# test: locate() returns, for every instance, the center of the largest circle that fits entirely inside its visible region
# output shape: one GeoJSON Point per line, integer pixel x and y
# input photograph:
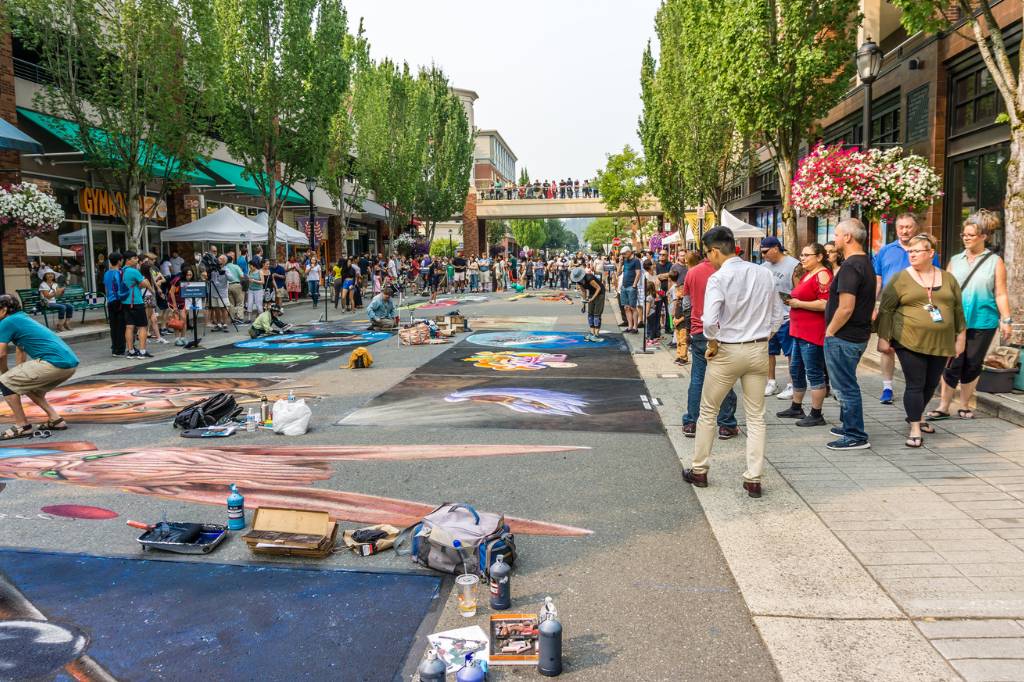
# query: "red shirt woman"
{"type": "Point", "coordinates": [804, 323]}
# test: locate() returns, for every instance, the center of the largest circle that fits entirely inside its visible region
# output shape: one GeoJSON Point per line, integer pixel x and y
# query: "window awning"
{"type": "Point", "coordinates": [68, 132]}
{"type": "Point", "coordinates": [234, 174]}
{"type": "Point", "coordinates": [12, 138]}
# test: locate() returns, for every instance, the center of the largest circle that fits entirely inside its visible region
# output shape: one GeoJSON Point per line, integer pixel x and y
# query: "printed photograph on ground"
{"type": "Point", "coordinates": [314, 340]}
{"type": "Point", "coordinates": [93, 619]}
{"type": "Point", "coordinates": [601, 405]}
{"type": "Point", "coordinates": [544, 340]}
{"type": "Point", "coordinates": [467, 359]}
{"type": "Point", "coordinates": [524, 322]}
{"type": "Point", "coordinates": [271, 476]}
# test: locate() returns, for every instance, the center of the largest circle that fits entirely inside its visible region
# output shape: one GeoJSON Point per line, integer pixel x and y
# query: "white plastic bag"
{"type": "Point", "coordinates": [291, 418]}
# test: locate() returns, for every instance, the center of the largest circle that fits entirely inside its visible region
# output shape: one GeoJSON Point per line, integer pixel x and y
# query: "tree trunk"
{"type": "Point", "coordinates": [134, 217]}
{"type": "Point", "coordinates": [785, 169]}
{"type": "Point", "coordinates": [1013, 251]}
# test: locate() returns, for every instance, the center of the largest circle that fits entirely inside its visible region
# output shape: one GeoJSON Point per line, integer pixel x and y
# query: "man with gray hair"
{"type": "Point", "coordinates": [848, 313]}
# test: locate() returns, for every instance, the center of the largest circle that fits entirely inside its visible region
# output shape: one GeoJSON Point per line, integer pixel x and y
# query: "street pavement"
{"type": "Point", "coordinates": [648, 595]}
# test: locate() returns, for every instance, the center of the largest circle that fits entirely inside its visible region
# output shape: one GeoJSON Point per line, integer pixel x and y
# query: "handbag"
{"type": "Point", "coordinates": [176, 321]}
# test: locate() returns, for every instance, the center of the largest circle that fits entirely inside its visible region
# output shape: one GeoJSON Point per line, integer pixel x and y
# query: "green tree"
{"type": "Point", "coordinates": [528, 233]}
{"type": "Point", "coordinates": [558, 237]}
{"type": "Point", "coordinates": [602, 230]}
{"type": "Point", "coordinates": [284, 69]}
{"type": "Point", "coordinates": [391, 112]}
{"type": "Point", "coordinates": [933, 15]}
{"type": "Point", "coordinates": [666, 172]}
{"type": "Point", "coordinates": [782, 65]}
{"type": "Point", "coordinates": [524, 177]}
{"type": "Point", "coordinates": [133, 77]}
{"type": "Point", "coordinates": [623, 184]}
{"type": "Point", "coordinates": [442, 248]}
{"type": "Point", "coordinates": [497, 230]}
{"type": "Point", "coordinates": [444, 179]}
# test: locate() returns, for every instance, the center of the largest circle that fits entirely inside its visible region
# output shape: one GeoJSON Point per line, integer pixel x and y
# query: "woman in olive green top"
{"type": "Point", "coordinates": [921, 317]}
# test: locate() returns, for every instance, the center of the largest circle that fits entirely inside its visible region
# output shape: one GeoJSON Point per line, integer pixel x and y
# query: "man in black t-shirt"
{"type": "Point", "coordinates": [851, 302]}
{"type": "Point", "coordinates": [661, 269]}
{"type": "Point", "coordinates": [460, 272]}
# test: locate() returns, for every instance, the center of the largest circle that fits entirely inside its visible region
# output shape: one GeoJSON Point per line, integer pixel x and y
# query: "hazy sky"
{"type": "Point", "coordinates": [559, 80]}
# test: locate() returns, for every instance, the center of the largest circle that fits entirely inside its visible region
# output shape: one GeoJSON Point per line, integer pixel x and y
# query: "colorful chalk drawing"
{"type": "Point", "coordinates": [511, 361]}
{"type": "Point", "coordinates": [120, 401]}
{"type": "Point", "coordinates": [79, 511]}
{"type": "Point", "coordinates": [535, 340]}
{"type": "Point", "coordinates": [444, 302]}
{"type": "Point", "coordinates": [270, 476]}
{"type": "Point", "coordinates": [526, 400]}
{"type": "Point", "coordinates": [505, 323]}
{"type": "Point", "coordinates": [338, 339]}
{"type": "Point", "coordinates": [214, 363]}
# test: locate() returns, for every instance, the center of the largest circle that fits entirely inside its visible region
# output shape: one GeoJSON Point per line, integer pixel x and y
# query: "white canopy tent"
{"type": "Point", "coordinates": [674, 237]}
{"type": "Point", "coordinates": [225, 225]}
{"type": "Point", "coordinates": [40, 248]}
{"type": "Point", "coordinates": [740, 229]}
{"type": "Point", "coordinates": [285, 234]}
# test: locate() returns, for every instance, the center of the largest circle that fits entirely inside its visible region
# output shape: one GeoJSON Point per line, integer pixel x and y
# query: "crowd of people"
{"type": "Point", "coordinates": [566, 188]}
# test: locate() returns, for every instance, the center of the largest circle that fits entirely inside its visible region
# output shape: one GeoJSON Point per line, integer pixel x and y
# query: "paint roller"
{"type": "Point", "coordinates": [186, 533]}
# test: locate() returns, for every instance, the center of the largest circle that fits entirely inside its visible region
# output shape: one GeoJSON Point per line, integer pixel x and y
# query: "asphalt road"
{"type": "Point", "coordinates": [646, 596]}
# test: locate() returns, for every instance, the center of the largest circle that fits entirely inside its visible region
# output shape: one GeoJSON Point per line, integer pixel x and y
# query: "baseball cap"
{"type": "Point", "coordinates": [626, 249]}
{"type": "Point", "coordinates": [769, 242]}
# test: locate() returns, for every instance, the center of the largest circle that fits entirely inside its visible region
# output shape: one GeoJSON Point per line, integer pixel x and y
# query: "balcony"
{"type": "Point", "coordinates": [31, 72]}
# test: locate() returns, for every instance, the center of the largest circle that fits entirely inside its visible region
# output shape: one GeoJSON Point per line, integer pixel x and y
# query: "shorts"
{"type": "Point", "coordinates": [34, 376]}
{"type": "Point", "coordinates": [628, 296]}
{"type": "Point", "coordinates": [219, 301]}
{"type": "Point", "coordinates": [348, 283]}
{"type": "Point", "coordinates": [781, 342]}
{"type": "Point", "coordinates": [460, 277]}
{"type": "Point", "coordinates": [135, 315]}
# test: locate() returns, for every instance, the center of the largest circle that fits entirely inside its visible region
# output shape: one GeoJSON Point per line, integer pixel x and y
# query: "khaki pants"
{"type": "Point", "coordinates": [236, 299]}
{"type": "Point", "coordinates": [747, 363]}
{"type": "Point", "coordinates": [682, 341]}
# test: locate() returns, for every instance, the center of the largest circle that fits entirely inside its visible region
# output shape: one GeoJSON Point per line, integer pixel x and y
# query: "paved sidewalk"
{"type": "Point", "coordinates": [888, 563]}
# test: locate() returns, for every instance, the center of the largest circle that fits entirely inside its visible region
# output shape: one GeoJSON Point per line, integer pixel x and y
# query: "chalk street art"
{"type": "Point", "coordinates": [490, 323]}
{"type": "Point", "coordinates": [269, 476]}
{"type": "Point", "coordinates": [536, 340]}
{"type": "Point", "coordinates": [79, 511]}
{"type": "Point", "coordinates": [66, 617]}
{"type": "Point", "coordinates": [444, 302]}
{"type": "Point", "coordinates": [215, 363]}
{"type": "Point", "coordinates": [313, 340]}
{"type": "Point", "coordinates": [511, 361]}
{"type": "Point", "coordinates": [120, 401]}
{"type": "Point", "coordinates": [524, 401]}
{"type": "Point", "coordinates": [556, 298]}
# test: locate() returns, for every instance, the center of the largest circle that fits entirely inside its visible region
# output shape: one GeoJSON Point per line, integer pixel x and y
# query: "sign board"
{"type": "Point", "coordinates": [101, 202]}
{"type": "Point", "coordinates": [193, 289]}
{"type": "Point", "coordinates": [616, 241]}
{"type": "Point", "coordinates": [917, 114]}
{"type": "Point", "coordinates": [701, 211]}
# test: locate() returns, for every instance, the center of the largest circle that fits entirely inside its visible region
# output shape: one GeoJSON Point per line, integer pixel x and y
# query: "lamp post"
{"type": "Point", "coordinates": [869, 63]}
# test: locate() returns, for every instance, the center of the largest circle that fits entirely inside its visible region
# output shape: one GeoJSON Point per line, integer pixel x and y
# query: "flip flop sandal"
{"type": "Point", "coordinates": [927, 428]}
{"type": "Point", "coordinates": [965, 414]}
{"type": "Point", "coordinates": [57, 424]}
{"type": "Point", "coordinates": [936, 416]}
{"type": "Point", "coordinates": [17, 432]}
{"type": "Point", "coordinates": [41, 433]}
{"type": "Point", "coordinates": [914, 442]}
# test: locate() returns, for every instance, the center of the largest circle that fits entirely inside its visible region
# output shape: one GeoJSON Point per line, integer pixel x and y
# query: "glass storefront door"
{"type": "Point", "coordinates": [974, 181]}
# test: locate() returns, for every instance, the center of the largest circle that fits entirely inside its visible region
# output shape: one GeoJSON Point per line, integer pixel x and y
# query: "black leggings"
{"type": "Point", "coordinates": [922, 373]}
{"type": "Point", "coordinates": [966, 367]}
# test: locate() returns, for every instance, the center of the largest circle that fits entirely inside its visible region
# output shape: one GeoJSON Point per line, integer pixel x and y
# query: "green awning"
{"type": "Point", "coordinates": [68, 132]}
{"type": "Point", "coordinates": [235, 175]}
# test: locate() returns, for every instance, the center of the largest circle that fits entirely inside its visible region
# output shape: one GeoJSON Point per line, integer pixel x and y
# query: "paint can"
{"type": "Point", "coordinates": [501, 584]}
{"type": "Point", "coordinates": [432, 668]}
{"type": "Point", "coordinates": [549, 660]}
{"type": "Point", "coordinates": [236, 509]}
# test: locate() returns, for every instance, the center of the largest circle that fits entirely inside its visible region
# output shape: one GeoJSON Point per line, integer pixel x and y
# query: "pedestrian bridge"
{"type": "Point", "coordinates": [527, 209]}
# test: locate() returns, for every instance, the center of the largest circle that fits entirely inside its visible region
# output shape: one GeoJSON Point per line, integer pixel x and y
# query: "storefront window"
{"type": "Point", "coordinates": [975, 182]}
{"type": "Point", "coordinates": [976, 101]}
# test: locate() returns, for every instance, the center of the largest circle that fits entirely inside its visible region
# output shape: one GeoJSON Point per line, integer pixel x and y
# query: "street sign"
{"type": "Point", "coordinates": [193, 289]}
{"type": "Point", "coordinates": [616, 241]}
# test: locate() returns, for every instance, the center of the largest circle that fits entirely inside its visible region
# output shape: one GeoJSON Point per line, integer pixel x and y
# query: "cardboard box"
{"type": "Point", "coordinates": [291, 532]}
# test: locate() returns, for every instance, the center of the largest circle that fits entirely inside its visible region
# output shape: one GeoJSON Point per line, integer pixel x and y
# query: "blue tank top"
{"type": "Point", "coordinates": [979, 298]}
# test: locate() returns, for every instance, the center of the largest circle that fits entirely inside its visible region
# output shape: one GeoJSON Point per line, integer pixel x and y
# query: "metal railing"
{"type": "Point", "coordinates": [31, 71]}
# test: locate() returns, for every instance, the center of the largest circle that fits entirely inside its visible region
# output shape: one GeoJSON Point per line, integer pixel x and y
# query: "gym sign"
{"type": "Point", "coordinates": [100, 202]}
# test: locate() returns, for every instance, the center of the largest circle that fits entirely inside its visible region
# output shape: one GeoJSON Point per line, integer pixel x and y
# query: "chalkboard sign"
{"type": "Point", "coordinates": [917, 114]}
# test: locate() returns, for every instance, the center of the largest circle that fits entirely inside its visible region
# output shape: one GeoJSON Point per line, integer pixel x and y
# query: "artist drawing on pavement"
{"type": "Point", "coordinates": [512, 361]}
{"type": "Point", "coordinates": [270, 476]}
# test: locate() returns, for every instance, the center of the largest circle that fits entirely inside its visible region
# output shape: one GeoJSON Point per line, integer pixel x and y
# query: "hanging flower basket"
{"type": "Point", "coordinates": [881, 183]}
{"type": "Point", "coordinates": [29, 210]}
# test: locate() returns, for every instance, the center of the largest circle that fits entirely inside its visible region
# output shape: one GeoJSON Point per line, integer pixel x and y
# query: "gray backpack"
{"type": "Point", "coordinates": [482, 538]}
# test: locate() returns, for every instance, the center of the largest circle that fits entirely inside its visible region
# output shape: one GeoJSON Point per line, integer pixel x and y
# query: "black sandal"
{"type": "Point", "coordinates": [57, 424]}
{"type": "Point", "coordinates": [963, 412]}
{"type": "Point", "coordinates": [927, 428]}
{"type": "Point", "coordinates": [17, 432]}
{"type": "Point", "coordinates": [937, 416]}
{"type": "Point", "coordinates": [914, 442]}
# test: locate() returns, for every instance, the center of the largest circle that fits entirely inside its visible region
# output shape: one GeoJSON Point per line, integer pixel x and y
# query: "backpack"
{"type": "Point", "coordinates": [483, 537]}
{"type": "Point", "coordinates": [218, 409]}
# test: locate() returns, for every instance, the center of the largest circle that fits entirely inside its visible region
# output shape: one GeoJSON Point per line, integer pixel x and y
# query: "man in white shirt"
{"type": "Point", "coordinates": [781, 266]}
{"type": "Point", "coordinates": [176, 263]}
{"type": "Point", "coordinates": [739, 317]}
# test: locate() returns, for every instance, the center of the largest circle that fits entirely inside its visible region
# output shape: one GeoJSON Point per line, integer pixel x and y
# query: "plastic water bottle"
{"type": "Point", "coordinates": [471, 672]}
{"type": "Point", "coordinates": [236, 509]}
{"type": "Point", "coordinates": [250, 421]}
{"type": "Point", "coordinates": [549, 661]}
{"type": "Point", "coordinates": [291, 396]}
{"type": "Point", "coordinates": [432, 668]}
{"type": "Point", "coordinates": [501, 584]}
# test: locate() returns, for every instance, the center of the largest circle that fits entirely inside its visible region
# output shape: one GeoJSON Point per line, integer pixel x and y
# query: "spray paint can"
{"type": "Point", "coordinates": [264, 409]}
{"type": "Point", "coordinates": [236, 509]}
{"type": "Point", "coordinates": [549, 661]}
{"type": "Point", "coordinates": [501, 584]}
{"type": "Point", "coordinates": [432, 668]}
{"type": "Point", "coordinates": [471, 672]}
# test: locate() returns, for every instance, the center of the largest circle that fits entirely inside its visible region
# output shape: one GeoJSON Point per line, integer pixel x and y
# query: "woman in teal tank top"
{"type": "Point", "coordinates": [982, 277]}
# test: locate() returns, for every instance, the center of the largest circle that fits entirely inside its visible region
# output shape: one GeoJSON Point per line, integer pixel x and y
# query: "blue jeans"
{"type": "Point", "coordinates": [807, 365]}
{"type": "Point", "coordinates": [314, 290]}
{"type": "Point", "coordinates": [698, 366]}
{"type": "Point", "coordinates": [841, 358]}
{"type": "Point", "coordinates": [474, 282]}
{"type": "Point", "coordinates": [538, 279]}
{"type": "Point", "coordinates": [63, 310]}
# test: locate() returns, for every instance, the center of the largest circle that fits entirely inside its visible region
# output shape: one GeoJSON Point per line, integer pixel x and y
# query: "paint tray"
{"type": "Point", "coordinates": [210, 536]}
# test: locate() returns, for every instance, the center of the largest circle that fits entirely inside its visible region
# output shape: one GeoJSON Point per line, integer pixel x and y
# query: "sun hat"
{"type": "Point", "coordinates": [577, 275]}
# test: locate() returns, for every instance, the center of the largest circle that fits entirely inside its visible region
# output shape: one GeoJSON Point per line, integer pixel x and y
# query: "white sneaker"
{"type": "Point", "coordinates": [162, 340]}
{"type": "Point", "coordinates": [771, 388]}
{"type": "Point", "coordinates": [787, 393]}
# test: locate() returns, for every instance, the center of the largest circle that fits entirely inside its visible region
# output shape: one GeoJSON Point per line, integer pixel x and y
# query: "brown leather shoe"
{"type": "Point", "coordinates": [695, 479]}
{"type": "Point", "coordinates": [727, 432]}
{"type": "Point", "coordinates": [753, 489]}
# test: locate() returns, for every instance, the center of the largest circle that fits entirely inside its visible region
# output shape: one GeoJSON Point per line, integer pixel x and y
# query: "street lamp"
{"type": "Point", "coordinates": [311, 187]}
{"type": "Point", "coordinates": [869, 63]}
